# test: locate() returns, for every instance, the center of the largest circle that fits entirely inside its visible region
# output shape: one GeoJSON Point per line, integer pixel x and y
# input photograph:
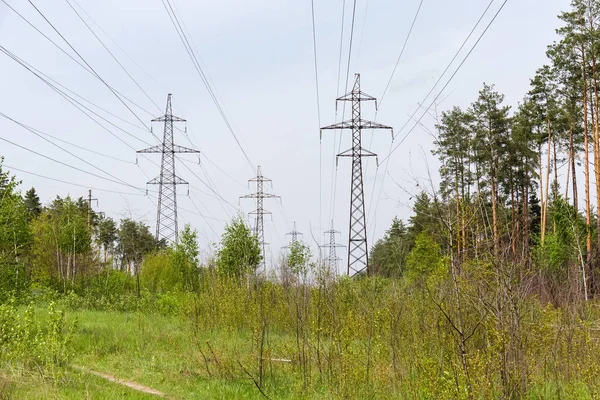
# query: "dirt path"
{"type": "Point", "coordinates": [130, 384]}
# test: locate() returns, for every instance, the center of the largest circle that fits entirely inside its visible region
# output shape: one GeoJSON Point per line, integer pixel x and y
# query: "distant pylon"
{"type": "Point", "coordinates": [167, 181]}
{"type": "Point", "coordinates": [332, 259]}
{"type": "Point", "coordinates": [358, 250]}
{"type": "Point", "coordinates": [294, 236]}
{"type": "Point", "coordinates": [260, 195]}
{"type": "Point", "coordinates": [89, 203]}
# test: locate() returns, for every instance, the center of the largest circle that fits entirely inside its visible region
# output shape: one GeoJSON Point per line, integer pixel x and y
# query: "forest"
{"type": "Point", "coordinates": [489, 290]}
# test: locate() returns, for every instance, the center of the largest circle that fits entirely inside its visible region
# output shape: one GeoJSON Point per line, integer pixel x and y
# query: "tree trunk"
{"type": "Point", "coordinates": [544, 199]}
{"type": "Point", "coordinates": [588, 211]}
{"type": "Point", "coordinates": [573, 170]}
{"type": "Point", "coordinates": [494, 214]}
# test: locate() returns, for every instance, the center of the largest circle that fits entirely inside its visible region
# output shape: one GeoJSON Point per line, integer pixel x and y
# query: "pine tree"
{"type": "Point", "coordinates": [32, 202]}
{"type": "Point", "coordinates": [492, 129]}
{"type": "Point", "coordinates": [453, 149]}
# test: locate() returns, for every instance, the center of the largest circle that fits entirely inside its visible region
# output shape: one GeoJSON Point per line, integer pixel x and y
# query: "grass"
{"type": "Point", "coordinates": [164, 353]}
{"type": "Point", "coordinates": [215, 356]}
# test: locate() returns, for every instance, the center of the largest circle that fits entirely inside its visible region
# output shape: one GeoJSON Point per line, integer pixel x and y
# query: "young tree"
{"type": "Point", "coordinates": [185, 258]}
{"type": "Point", "coordinates": [15, 234]}
{"type": "Point", "coordinates": [298, 258]}
{"type": "Point", "coordinates": [239, 253]}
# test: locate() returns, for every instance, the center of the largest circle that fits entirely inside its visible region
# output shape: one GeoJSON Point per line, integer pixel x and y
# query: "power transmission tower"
{"type": "Point", "coordinates": [89, 211]}
{"type": "Point", "coordinates": [332, 259]}
{"type": "Point", "coordinates": [260, 195]}
{"type": "Point", "coordinates": [358, 251]}
{"type": "Point", "coordinates": [167, 181]}
{"type": "Point", "coordinates": [294, 234]}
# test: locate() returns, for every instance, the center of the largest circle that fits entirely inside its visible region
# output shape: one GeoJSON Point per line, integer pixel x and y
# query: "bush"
{"type": "Point", "coordinates": [36, 345]}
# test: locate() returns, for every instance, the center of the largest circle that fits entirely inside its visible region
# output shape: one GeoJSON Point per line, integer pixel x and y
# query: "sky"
{"type": "Point", "coordinates": [259, 59]}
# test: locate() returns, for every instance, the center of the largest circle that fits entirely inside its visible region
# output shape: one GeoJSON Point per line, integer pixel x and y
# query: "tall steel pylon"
{"type": "Point", "coordinates": [358, 251]}
{"type": "Point", "coordinates": [294, 236]}
{"type": "Point", "coordinates": [260, 195]}
{"type": "Point", "coordinates": [167, 181]}
{"type": "Point", "coordinates": [332, 259]}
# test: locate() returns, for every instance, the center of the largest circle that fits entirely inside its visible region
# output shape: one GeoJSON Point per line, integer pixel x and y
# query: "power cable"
{"type": "Point", "coordinates": [69, 55]}
{"type": "Point", "coordinates": [71, 143]}
{"type": "Point", "coordinates": [314, 34]}
{"type": "Point", "coordinates": [198, 67]}
{"type": "Point", "coordinates": [70, 183]}
{"type": "Point", "coordinates": [69, 165]}
{"type": "Point", "coordinates": [412, 25]}
{"type": "Point", "coordinates": [44, 78]}
{"type": "Point", "coordinates": [86, 63]}
{"type": "Point", "coordinates": [392, 150]}
{"type": "Point", "coordinates": [112, 55]}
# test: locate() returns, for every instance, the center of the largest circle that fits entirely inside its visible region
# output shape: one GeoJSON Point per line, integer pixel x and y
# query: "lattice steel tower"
{"type": "Point", "coordinates": [332, 259]}
{"type": "Point", "coordinates": [260, 195]}
{"type": "Point", "coordinates": [358, 251]}
{"type": "Point", "coordinates": [294, 234]}
{"type": "Point", "coordinates": [167, 181]}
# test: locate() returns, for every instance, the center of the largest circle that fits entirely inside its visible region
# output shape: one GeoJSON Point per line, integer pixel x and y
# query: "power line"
{"type": "Point", "coordinates": [44, 78]}
{"type": "Point", "coordinates": [392, 150]}
{"type": "Point", "coordinates": [61, 148]}
{"type": "Point", "coordinates": [86, 63]}
{"type": "Point", "coordinates": [123, 68]}
{"type": "Point", "coordinates": [201, 73]}
{"type": "Point", "coordinates": [314, 34]}
{"type": "Point", "coordinates": [69, 55]}
{"type": "Point", "coordinates": [66, 141]}
{"type": "Point", "coordinates": [112, 55]}
{"type": "Point", "coordinates": [350, 47]}
{"type": "Point", "coordinates": [406, 40]}
{"type": "Point", "coordinates": [450, 79]}
{"type": "Point", "coordinates": [70, 183]}
{"type": "Point", "coordinates": [335, 171]}
{"type": "Point", "coordinates": [118, 46]}
{"type": "Point", "coordinates": [77, 104]}
{"type": "Point", "coordinates": [362, 34]}
{"type": "Point", "coordinates": [69, 165]}
{"type": "Point", "coordinates": [217, 194]}
{"type": "Point", "coordinates": [412, 25]}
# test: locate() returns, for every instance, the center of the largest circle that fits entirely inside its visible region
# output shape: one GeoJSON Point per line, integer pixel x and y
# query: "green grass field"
{"type": "Point", "coordinates": [209, 347]}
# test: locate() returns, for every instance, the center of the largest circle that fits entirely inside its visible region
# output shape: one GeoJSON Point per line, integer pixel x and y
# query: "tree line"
{"type": "Point", "coordinates": [502, 194]}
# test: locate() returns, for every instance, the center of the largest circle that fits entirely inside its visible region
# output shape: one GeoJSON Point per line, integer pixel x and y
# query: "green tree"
{"type": "Point", "coordinates": [239, 252]}
{"type": "Point", "coordinates": [298, 259]}
{"type": "Point", "coordinates": [32, 202]}
{"type": "Point", "coordinates": [185, 258]}
{"type": "Point", "coordinates": [492, 123]}
{"type": "Point", "coordinates": [425, 258]}
{"type": "Point", "coordinates": [134, 241]}
{"type": "Point", "coordinates": [15, 234]}
{"type": "Point", "coordinates": [107, 234]}
{"type": "Point", "coordinates": [388, 254]}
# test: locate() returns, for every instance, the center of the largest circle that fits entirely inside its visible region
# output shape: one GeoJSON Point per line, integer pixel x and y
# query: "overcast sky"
{"type": "Point", "coordinates": [259, 58]}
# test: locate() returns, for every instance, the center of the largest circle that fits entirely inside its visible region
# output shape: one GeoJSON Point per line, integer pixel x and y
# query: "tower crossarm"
{"type": "Point", "coordinates": [357, 95]}
{"type": "Point", "coordinates": [164, 118]}
{"type": "Point", "coordinates": [167, 181]}
{"type": "Point", "coordinates": [176, 149]}
{"type": "Point", "coordinates": [362, 153]}
{"type": "Point", "coordinates": [362, 124]}
{"type": "Point", "coordinates": [260, 212]}
{"type": "Point", "coordinates": [260, 196]}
